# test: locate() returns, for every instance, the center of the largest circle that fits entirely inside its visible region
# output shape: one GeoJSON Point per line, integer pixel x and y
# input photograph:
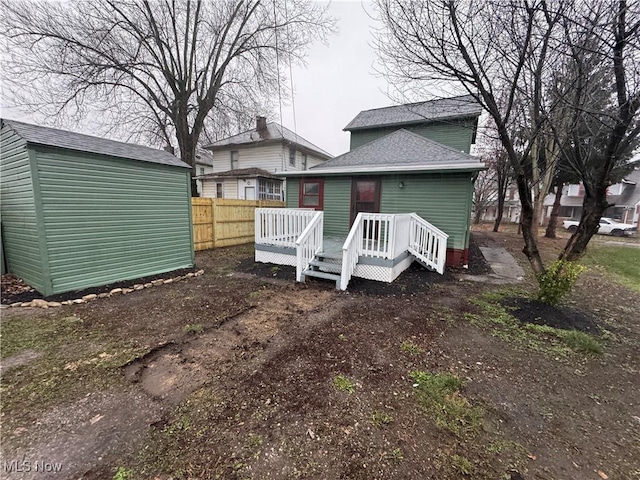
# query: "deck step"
{"type": "Point", "coordinates": [325, 275]}
{"type": "Point", "coordinates": [319, 264]}
{"type": "Point", "coordinates": [329, 256]}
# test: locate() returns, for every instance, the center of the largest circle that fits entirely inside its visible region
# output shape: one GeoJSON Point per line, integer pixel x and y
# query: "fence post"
{"type": "Point", "coordinates": [214, 205]}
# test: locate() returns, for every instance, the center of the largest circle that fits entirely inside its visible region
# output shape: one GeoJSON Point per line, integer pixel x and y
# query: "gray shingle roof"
{"type": "Point", "coordinates": [401, 148]}
{"type": "Point", "coordinates": [274, 131]}
{"type": "Point", "coordinates": [53, 137]}
{"type": "Point", "coordinates": [440, 109]}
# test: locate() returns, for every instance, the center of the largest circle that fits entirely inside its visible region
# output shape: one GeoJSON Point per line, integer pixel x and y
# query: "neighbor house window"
{"type": "Point", "coordinates": [218, 190]}
{"type": "Point", "coordinates": [201, 170]}
{"type": "Point", "coordinates": [270, 190]}
{"type": "Point", "coordinates": [234, 159]}
{"type": "Point", "coordinates": [311, 193]}
{"type": "Point", "coordinates": [292, 156]}
{"type": "Point", "coordinates": [304, 161]}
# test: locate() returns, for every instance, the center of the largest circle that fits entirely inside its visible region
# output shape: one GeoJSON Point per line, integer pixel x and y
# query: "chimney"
{"type": "Point", "coordinates": [169, 149]}
{"type": "Point", "coordinates": [261, 126]}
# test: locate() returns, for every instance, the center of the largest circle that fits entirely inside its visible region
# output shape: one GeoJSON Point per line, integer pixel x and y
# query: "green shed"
{"type": "Point", "coordinates": [80, 211]}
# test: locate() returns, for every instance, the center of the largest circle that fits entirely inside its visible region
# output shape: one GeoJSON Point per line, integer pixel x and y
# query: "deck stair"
{"type": "Point", "coordinates": [325, 265]}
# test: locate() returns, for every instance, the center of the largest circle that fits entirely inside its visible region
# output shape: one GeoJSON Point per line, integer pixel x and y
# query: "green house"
{"type": "Point", "coordinates": [80, 211]}
{"type": "Point", "coordinates": [403, 193]}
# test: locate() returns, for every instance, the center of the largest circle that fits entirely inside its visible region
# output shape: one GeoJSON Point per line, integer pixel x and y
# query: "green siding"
{"type": "Point", "coordinates": [337, 202]}
{"type": "Point", "coordinates": [293, 192]}
{"type": "Point", "coordinates": [108, 219]}
{"type": "Point", "coordinates": [441, 199]}
{"type": "Point", "coordinates": [455, 134]}
{"type": "Point", "coordinates": [18, 209]}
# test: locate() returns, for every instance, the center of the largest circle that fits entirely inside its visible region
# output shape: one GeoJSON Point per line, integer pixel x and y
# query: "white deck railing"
{"type": "Point", "coordinates": [308, 244]}
{"type": "Point", "coordinates": [281, 226]}
{"type": "Point", "coordinates": [351, 251]}
{"type": "Point", "coordinates": [428, 243]}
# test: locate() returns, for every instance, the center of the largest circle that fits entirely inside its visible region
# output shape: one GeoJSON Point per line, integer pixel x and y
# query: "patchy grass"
{"type": "Point", "coordinates": [439, 396]}
{"type": "Point", "coordinates": [540, 338]}
{"type": "Point", "coordinates": [411, 348]}
{"type": "Point", "coordinates": [380, 419]}
{"type": "Point", "coordinates": [462, 465]}
{"type": "Point", "coordinates": [343, 384]}
{"type": "Point", "coordinates": [622, 264]}
{"type": "Point", "coordinates": [193, 328]}
{"type": "Point", "coordinates": [74, 360]}
{"type": "Point", "coordinates": [580, 342]}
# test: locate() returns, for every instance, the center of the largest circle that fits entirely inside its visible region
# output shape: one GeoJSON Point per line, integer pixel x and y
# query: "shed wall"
{"type": "Point", "coordinates": [18, 210]}
{"type": "Point", "coordinates": [455, 134]}
{"type": "Point", "coordinates": [108, 219]}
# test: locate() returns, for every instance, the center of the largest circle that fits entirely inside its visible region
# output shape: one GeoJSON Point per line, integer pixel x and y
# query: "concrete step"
{"type": "Point", "coordinates": [319, 264]}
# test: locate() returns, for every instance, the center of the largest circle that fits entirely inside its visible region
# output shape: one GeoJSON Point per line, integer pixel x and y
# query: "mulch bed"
{"type": "Point", "coordinates": [529, 310]}
{"type": "Point", "coordinates": [15, 290]}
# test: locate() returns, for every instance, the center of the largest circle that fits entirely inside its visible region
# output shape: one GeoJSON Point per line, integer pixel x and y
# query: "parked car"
{"type": "Point", "coordinates": [608, 226]}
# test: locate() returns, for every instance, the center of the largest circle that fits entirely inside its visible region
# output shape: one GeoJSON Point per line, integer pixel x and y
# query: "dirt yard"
{"type": "Point", "coordinates": [243, 374]}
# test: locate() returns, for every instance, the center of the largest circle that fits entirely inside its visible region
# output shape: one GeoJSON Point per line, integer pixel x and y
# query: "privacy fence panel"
{"type": "Point", "coordinates": [221, 222]}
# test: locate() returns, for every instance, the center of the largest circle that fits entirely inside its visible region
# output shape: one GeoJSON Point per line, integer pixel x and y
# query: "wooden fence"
{"type": "Point", "coordinates": [219, 222]}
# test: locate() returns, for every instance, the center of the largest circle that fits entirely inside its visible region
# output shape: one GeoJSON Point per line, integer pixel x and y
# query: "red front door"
{"type": "Point", "coordinates": [365, 196]}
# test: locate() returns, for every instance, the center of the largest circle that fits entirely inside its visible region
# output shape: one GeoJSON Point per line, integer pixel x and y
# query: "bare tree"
{"type": "Point", "coordinates": [602, 44]}
{"type": "Point", "coordinates": [484, 194]}
{"type": "Point", "coordinates": [158, 68]}
{"type": "Point", "coordinates": [504, 53]}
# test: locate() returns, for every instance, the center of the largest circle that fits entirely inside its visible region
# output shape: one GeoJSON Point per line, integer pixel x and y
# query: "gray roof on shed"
{"type": "Point", "coordinates": [401, 148]}
{"type": "Point", "coordinates": [275, 132]}
{"type": "Point", "coordinates": [432, 110]}
{"type": "Point", "coordinates": [53, 137]}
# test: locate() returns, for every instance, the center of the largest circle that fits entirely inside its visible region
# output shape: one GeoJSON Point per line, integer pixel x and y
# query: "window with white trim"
{"type": "Point", "coordinates": [235, 157]}
{"type": "Point", "coordinates": [270, 190]}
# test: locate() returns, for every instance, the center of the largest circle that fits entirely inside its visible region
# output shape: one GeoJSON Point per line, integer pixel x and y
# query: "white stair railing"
{"type": "Point", "coordinates": [351, 251]}
{"type": "Point", "coordinates": [428, 243]}
{"type": "Point", "coordinates": [308, 244]}
{"type": "Point", "coordinates": [281, 226]}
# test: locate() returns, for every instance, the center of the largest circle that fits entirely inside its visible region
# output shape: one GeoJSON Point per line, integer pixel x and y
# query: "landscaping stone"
{"type": "Point", "coordinates": [147, 285]}
{"type": "Point", "coordinates": [127, 290]}
{"type": "Point", "coordinates": [54, 304]}
{"type": "Point", "coordinates": [78, 301]}
{"type": "Point", "coordinates": [104, 295]}
{"type": "Point", "coordinates": [115, 291]}
{"type": "Point", "coordinates": [138, 287]}
{"type": "Point", "coordinates": [169, 280]}
{"type": "Point", "coordinates": [38, 302]}
{"type": "Point", "coordinates": [157, 282]}
{"type": "Point", "coordinates": [89, 297]}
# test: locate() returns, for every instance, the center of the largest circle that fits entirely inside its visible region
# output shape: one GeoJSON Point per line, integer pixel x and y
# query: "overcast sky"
{"type": "Point", "coordinates": [338, 82]}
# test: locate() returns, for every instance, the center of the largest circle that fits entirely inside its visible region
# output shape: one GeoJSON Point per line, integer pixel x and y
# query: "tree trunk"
{"type": "Point", "coordinates": [555, 211]}
{"type": "Point", "coordinates": [593, 207]}
{"type": "Point", "coordinates": [476, 217]}
{"type": "Point", "coordinates": [527, 223]}
{"type": "Point", "coordinates": [499, 213]}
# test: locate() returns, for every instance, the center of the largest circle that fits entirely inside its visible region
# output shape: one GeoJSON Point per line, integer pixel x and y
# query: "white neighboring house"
{"type": "Point", "coordinates": [625, 197]}
{"type": "Point", "coordinates": [244, 165]}
{"type": "Point", "coordinates": [204, 166]}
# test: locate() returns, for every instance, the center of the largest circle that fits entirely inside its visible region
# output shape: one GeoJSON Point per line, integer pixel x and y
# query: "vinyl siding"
{"type": "Point", "coordinates": [457, 135]}
{"type": "Point", "coordinates": [444, 200]}
{"type": "Point", "coordinates": [337, 206]}
{"type": "Point", "coordinates": [292, 192]}
{"type": "Point", "coordinates": [272, 158]}
{"type": "Point", "coordinates": [267, 157]}
{"type": "Point", "coordinates": [18, 210]}
{"type": "Point", "coordinates": [441, 199]}
{"type": "Point", "coordinates": [108, 219]}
